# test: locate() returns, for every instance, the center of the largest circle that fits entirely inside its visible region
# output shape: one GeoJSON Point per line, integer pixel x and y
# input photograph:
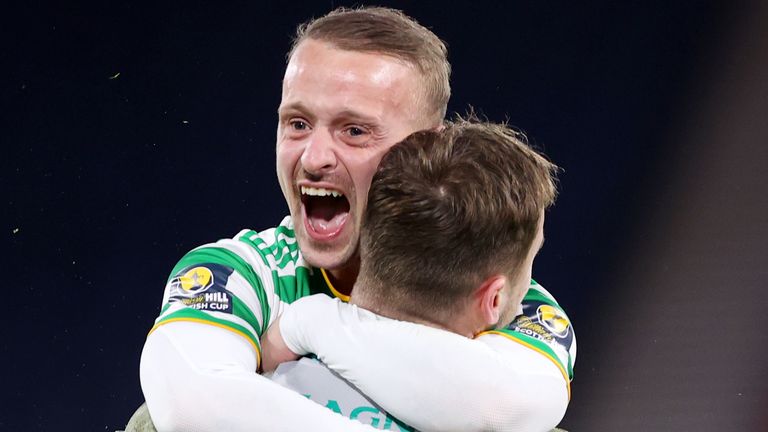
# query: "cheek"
{"type": "Point", "coordinates": [286, 160]}
{"type": "Point", "coordinates": [362, 170]}
{"type": "Point", "coordinates": [288, 155]}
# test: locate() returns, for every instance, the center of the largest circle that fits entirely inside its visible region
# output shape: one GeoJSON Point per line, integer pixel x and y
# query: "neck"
{"type": "Point", "coordinates": [343, 278]}
{"type": "Point", "coordinates": [455, 323]}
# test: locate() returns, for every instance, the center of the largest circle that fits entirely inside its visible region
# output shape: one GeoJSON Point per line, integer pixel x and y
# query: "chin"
{"type": "Point", "coordinates": [329, 257]}
{"type": "Point", "coordinates": [330, 254]}
{"type": "Point", "coordinates": [325, 259]}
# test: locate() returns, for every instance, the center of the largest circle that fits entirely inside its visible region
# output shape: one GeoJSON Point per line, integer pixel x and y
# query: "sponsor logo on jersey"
{"type": "Point", "coordinates": [544, 322]}
{"type": "Point", "coordinates": [367, 415]}
{"type": "Point", "coordinates": [195, 280]}
{"type": "Point", "coordinates": [525, 325]}
{"type": "Point", "coordinates": [553, 319]}
{"type": "Point", "coordinates": [203, 287]}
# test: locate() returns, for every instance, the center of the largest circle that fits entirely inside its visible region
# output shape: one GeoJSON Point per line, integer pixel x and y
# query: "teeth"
{"type": "Point", "coordinates": [320, 192]}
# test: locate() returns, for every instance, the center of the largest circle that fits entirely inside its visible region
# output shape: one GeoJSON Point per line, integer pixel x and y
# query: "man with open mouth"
{"type": "Point", "coordinates": [356, 83]}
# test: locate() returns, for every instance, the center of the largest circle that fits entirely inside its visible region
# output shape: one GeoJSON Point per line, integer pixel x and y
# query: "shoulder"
{"type": "Point", "coordinates": [544, 327]}
{"type": "Point", "coordinates": [246, 279]}
{"type": "Point", "coordinates": [250, 252]}
{"type": "Point", "coordinates": [543, 320]}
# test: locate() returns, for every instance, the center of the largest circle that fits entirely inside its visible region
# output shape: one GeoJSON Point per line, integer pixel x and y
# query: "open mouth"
{"type": "Point", "coordinates": [326, 210]}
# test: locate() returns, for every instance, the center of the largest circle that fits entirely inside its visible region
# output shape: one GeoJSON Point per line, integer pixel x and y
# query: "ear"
{"type": "Point", "coordinates": [490, 299]}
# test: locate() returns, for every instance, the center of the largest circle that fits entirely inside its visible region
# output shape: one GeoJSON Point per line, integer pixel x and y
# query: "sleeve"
{"type": "Point", "coordinates": [199, 378]}
{"type": "Point", "coordinates": [542, 327]}
{"type": "Point", "coordinates": [484, 384]}
{"type": "Point", "coordinates": [198, 366]}
{"type": "Point", "coordinates": [217, 286]}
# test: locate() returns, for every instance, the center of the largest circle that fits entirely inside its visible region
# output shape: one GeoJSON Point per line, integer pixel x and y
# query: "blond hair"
{"type": "Point", "coordinates": [389, 32]}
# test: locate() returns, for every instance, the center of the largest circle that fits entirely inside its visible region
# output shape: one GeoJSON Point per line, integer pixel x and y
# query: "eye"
{"type": "Point", "coordinates": [356, 135]}
{"type": "Point", "coordinates": [298, 125]}
{"type": "Point", "coordinates": [355, 131]}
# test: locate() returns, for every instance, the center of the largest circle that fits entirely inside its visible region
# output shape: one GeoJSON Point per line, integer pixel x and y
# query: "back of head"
{"type": "Point", "coordinates": [392, 33]}
{"type": "Point", "coordinates": [448, 209]}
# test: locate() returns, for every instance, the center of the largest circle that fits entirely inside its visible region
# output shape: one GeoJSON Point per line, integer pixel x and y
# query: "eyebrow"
{"type": "Point", "coordinates": [296, 106]}
{"type": "Point", "coordinates": [347, 113]}
{"type": "Point", "coordinates": [358, 116]}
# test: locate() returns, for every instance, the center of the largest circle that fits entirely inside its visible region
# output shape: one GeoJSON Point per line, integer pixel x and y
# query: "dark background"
{"type": "Point", "coordinates": [133, 133]}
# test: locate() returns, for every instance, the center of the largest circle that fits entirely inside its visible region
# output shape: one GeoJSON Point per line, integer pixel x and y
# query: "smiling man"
{"type": "Point", "coordinates": [341, 110]}
{"type": "Point", "coordinates": [357, 82]}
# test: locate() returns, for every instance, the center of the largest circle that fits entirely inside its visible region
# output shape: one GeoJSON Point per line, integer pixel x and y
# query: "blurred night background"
{"type": "Point", "coordinates": [133, 133]}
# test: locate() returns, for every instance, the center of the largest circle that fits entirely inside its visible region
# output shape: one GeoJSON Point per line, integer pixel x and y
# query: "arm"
{"type": "Point", "coordinates": [198, 367]}
{"type": "Point", "coordinates": [400, 365]}
{"type": "Point", "coordinates": [274, 348]}
{"type": "Point", "coordinates": [198, 377]}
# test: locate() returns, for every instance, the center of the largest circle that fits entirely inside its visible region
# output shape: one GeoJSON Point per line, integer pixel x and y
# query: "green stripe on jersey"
{"type": "Point", "coordinates": [534, 295]}
{"type": "Point", "coordinates": [255, 245]}
{"type": "Point", "coordinates": [217, 255]}
{"type": "Point", "coordinates": [241, 310]}
{"type": "Point", "coordinates": [292, 288]}
{"type": "Point", "coordinates": [275, 249]}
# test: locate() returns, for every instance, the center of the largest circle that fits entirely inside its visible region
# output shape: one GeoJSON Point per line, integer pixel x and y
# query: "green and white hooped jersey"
{"type": "Point", "coordinates": [243, 284]}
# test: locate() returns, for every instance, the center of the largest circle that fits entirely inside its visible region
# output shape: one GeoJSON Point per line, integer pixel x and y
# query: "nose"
{"type": "Point", "coordinates": [319, 157]}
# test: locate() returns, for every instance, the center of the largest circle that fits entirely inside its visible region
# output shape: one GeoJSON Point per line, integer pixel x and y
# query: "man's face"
{"type": "Point", "coordinates": [340, 112]}
{"type": "Point", "coordinates": [518, 286]}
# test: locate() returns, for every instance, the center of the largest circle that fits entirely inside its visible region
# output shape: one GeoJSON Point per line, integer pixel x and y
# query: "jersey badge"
{"type": "Point", "coordinates": [203, 287]}
{"type": "Point", "coordinates": [195, 280]}
{"type": "Point", "coordinates": [554, 320]}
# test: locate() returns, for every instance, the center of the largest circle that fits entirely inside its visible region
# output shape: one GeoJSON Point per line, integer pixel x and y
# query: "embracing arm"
{"type": "Point", "coordinates": [429, 378]}
{"type": "Point", "coordinates": [197, 377]}
{"type": "Point", "coordinates": [198, 367]}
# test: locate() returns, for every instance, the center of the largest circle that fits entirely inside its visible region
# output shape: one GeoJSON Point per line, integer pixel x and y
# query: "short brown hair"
{"type": "Point", "coordinates": [388, 32]}
{"type": "Point", "coordinates": [448, 209]}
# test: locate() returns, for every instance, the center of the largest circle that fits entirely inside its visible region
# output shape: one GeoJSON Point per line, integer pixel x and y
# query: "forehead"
{"type": "Point", "coordinates": [320, 75]}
